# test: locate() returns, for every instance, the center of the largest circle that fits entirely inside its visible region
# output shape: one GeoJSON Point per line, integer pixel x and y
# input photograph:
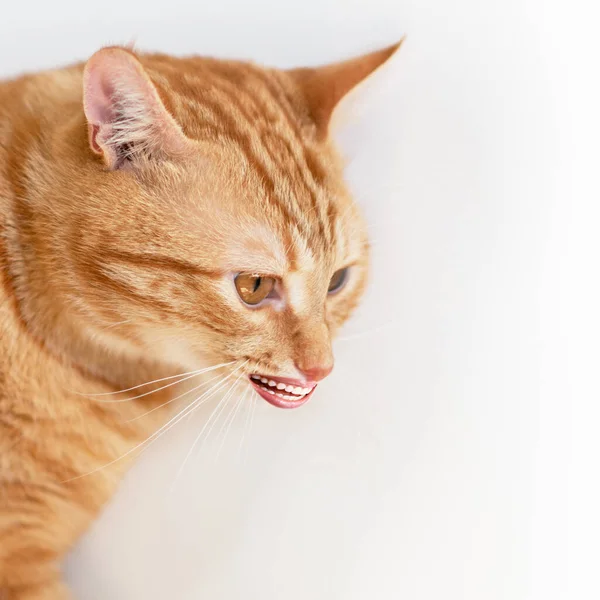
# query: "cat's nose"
{"type": "Point", "coordinates": [313, 353]}
{"type": "Point", "coordinates": [315, 372]}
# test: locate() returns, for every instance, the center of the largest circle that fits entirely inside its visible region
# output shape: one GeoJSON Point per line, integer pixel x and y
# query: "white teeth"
{"type": "Point", "coordinates": [286, 397]}
{"type": "Point", "coordinates": [297, 391]}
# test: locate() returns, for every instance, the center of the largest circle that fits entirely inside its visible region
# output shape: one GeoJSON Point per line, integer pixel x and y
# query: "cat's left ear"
{"type": "Point", "coordinates": [322, 88]}
{"type": "Point", "coordinates": [126, 117]}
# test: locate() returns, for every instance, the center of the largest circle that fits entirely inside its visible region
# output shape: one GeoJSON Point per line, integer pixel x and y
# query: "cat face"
{"type": "Point", "coordinates": [236, 240]}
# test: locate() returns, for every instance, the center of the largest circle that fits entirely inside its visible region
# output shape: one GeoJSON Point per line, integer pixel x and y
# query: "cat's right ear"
{"type": "Point", "coordinates": [126, 117]}
{"type": "Point", "coordinates": [322, 88]}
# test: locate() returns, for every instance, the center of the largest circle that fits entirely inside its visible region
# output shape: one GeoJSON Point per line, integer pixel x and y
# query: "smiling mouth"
{"type": "Point", "coordinates": [282, 392]}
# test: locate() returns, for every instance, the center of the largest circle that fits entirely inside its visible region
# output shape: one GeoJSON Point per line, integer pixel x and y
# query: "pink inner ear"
{"type": "Point", "coordinates": [98, 107]}
{"type": "Point", "coordinates": [124, 111]}
{"type": "Point", "coordinates": [94, 130]}
{"type": "Point", "coordinates": [99, 98]}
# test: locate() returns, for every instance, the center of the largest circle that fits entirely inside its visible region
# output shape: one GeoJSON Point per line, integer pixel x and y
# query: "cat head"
{"type": "Point", "coordinates": [218, 228]}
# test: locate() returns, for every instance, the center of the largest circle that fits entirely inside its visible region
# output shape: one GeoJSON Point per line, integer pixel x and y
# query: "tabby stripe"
{"type": "Point", "coordinates": [153, 261]}
{"type": "Point", "coordinates": [99, 276]}
{"type": "Point", "coordinates": [312, 192]}
{"type": "Point", "coordinates": [244, 142]}
{"type": "Point", "coordinates": [234, 94]}
{"type": "Point", "coordinates": [241, 106]}
{"type": "Point", "coordinates": [278, 94]}
{"type": "Point", "coordinates": [251, 122]}
{"type": "Point", "coordinates": [332, 215]}
{"type": "Point", "coordinates": [106, 281]}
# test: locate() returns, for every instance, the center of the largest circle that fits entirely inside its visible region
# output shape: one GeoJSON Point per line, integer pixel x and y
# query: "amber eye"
{"type": "Point", "coordinates": [338, 280]}
{"type": "Point", "coordinates": [253, 289]}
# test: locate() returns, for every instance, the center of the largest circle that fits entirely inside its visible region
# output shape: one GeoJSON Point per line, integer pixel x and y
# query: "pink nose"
{"type": "Point", "coordinates": [315, 372]}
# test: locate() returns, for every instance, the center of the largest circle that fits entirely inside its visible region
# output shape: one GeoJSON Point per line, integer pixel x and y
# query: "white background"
{"type": "Point", "coordinates": [453, 453]}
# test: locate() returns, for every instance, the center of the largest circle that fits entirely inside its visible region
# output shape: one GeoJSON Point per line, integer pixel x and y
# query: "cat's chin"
{"type": "Point", "coordinates": [282, 392]}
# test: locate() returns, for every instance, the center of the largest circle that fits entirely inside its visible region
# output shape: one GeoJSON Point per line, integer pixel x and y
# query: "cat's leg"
{"type": "Point", "coordinates": [33, 543]}
{"type": "Point", "coordinates": [30, 567]}
{"type": "Point", "coordinates": [49, 496]}
{"type": "Point", "coordinates": [39, 524]}
{"type": "Point", "coordinates": [51, 589]}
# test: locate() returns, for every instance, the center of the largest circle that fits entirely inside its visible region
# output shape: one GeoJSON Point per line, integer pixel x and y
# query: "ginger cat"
{"type": "Point", "coordinates": [161, 219]}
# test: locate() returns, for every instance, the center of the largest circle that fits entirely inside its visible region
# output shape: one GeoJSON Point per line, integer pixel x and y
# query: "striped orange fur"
{"type": "Point", "coordinates": [133, 189]}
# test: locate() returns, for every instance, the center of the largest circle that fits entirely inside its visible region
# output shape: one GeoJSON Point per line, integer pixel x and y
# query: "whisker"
{"type": "Point", "coordinates": [255, 397]}
{"type": "Point", "coordinates": [149, 393]}
{"type": "Point", "coordinates": [116, 324]}
{"type": "Point", "coordinates": [217, 412]}
{"type": "Point", "coordinates": [246, 418]}
{"type": "Point", "coordinates": [164, 387]}
{"type": "Point", "coordinates": [177, 398]}
{"type": "Point", "coordinates": [97, 333]}
{"type": "Point", "coordinates": [207, 395]}
{"type": "Point", "coordinates": [154, 436]}
{"type": "Point", "coordinates": [135, 387]}
{"type": "Point", "coordinates": [149, 440]}
{"type": "Point", "coordinates": [226, 420]}
{"type": "Point", "coordinates": [224, 405]}
{"type": "Point", "coordinates": [232, 414]}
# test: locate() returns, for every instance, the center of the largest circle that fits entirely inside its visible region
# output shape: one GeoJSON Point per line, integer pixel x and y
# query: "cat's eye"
{"type": "Point", "coordinates": [253, 289]}
{"type": "Point", "coordinates": [338, 280]}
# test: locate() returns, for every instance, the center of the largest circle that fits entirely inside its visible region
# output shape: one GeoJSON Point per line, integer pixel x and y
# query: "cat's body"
{"type": "Point", "coordinates": [131, 193]}
{"type": "Point", "coordinates": [49, 432]}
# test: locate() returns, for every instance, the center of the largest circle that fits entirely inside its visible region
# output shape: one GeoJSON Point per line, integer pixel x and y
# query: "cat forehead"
{"type": "Point", "coordinates": [237, 214]}
{"type": "Point", "coordinates": [249, 222]}
{"type": "Point", "coordinates": [266, 249]}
